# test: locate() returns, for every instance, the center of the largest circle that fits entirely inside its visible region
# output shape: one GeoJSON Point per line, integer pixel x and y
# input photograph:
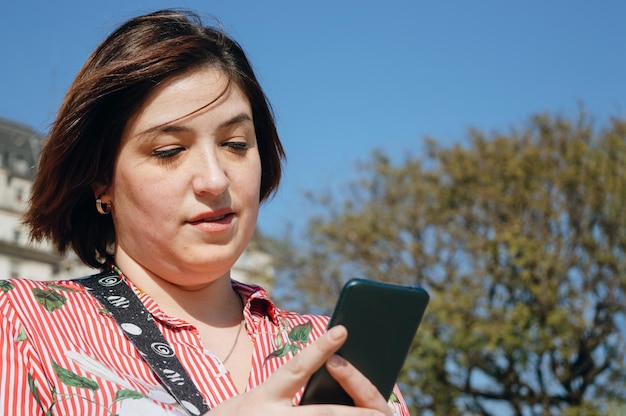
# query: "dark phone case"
{"type": "Point", "coordinates": [382, 320]}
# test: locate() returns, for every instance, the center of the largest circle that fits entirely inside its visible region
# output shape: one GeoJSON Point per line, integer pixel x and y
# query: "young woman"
{"type": "Point", "coordinates": [153, 171]}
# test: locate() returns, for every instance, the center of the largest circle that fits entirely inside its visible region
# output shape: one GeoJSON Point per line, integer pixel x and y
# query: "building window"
{"type": "Point", "coordinates": [19, 195]}
{"type": "Point", "coordinates": [19, 165]}
{"type": "Point", "coordinates": [14, 269]}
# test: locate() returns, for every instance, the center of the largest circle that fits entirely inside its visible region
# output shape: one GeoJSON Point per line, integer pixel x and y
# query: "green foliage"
{"type": "Point", "coordinates": [72, 379]}
{"type": "Point", "coordinates": [299, 334]}
{"type": "Point", "coordinates": [128, 394]}
{"type": "Point", "coordinates": [49, 299]}
{"type": "Point", "coordinates": [5, 285]}
{"type": "Point", "coordinates": [521, 241]}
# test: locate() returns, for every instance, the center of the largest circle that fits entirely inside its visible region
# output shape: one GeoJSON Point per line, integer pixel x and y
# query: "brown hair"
{"type": "Point", "coordinates": [82, 145]}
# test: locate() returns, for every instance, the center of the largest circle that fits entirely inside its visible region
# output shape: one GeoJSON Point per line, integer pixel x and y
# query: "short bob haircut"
{"type": "Point", "coordinates": [83, 142]}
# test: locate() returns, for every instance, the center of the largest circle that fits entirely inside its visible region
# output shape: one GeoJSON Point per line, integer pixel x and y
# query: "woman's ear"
{"type": "Point", "coordinates": [99, 189]}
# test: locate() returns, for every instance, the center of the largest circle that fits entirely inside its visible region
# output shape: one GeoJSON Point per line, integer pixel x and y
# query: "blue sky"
{"type": "Point", "coordinates": [348, 77]}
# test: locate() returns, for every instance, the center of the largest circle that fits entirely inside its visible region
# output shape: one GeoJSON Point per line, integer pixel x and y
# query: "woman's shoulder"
{"type": "Point", "coordinates": [16, 286]}
{"type": "Point", "coordinates": [32, 297]}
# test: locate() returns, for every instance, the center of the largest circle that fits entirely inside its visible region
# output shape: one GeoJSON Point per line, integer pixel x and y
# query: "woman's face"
{"type": "Point", "coordinates": [186, 182]}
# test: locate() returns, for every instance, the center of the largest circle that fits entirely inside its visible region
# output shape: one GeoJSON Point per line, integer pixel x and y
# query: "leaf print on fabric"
{"type": "Point", "coordinates": [49, 411]}
{"type": "Point", "coordinates": [33, 389]}
{"type": "Point", "coordinates": [394, 398]}
{"type": "Point", "coordinates": [49, 299]}
{"type": "Point", "coordinates": [21, 336]}
{"type": "Point", "coordinates": [74, 380]}
{"type": "Point", "coordinates": [278, 341]}
{"type": "Point", "coordinates": [297, 335]}
{"type": "Point", "coordinates": [283, 351]}
{"type": "Point", "coordinates": [61, 287]}
{"type": "Point", "coordinates": [156, 394]}
{"type": "Point", "coordinates": [5, 285]}
{"type": "Point", "coordinates": [128, 394]}
{"type": "Point", "coordinates": [300, 333]}
{"type": "Point", "coordinates": [97, 369]}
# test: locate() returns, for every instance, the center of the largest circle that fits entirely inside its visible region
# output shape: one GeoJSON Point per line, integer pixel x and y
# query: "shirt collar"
{"type": "Point", "coordinates": [257, 303]}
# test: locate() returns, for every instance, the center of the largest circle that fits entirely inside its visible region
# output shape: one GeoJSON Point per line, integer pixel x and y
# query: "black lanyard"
{"type": "Point", "coordinates": [139, 327]}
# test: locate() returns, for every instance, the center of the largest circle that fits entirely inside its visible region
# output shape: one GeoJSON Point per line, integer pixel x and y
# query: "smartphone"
{"type": "Point", "coordinates": [382, 320]}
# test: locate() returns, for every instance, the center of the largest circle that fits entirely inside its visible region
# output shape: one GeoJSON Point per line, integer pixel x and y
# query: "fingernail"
{"type": "Point", "coordinates": [336, 332]}
{"type": "Point", "coordinates": [336, 361]}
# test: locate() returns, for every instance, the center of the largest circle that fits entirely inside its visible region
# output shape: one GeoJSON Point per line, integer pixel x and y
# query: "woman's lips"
{"type": "Point", "coordinates": [213, 222]}
{"type": "Point", "coordinates": [217, 218]}
{"type": "Point", "coordinates": [211, 216]}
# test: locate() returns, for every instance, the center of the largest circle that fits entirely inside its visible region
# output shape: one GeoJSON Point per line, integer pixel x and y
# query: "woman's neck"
{"type": "Point", "coordinates": [214, 302]}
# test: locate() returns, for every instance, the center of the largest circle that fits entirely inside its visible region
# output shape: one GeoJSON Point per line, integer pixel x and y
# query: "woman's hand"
{"type": "Point", "coordinates": [274, 397]}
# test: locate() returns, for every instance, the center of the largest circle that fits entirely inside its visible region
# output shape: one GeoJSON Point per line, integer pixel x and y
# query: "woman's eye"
{"type": "Point", "coordinates": [237, 146]}
{"type": "Point", "coordinates": [167, 152]}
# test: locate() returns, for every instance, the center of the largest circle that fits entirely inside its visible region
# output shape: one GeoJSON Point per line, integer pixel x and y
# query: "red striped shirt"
{"type": "Point", "coordinates": [61, 353]}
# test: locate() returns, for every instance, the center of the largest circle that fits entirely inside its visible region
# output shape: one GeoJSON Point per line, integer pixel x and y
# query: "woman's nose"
{"type": "Point", "coordinates": [209, 175]}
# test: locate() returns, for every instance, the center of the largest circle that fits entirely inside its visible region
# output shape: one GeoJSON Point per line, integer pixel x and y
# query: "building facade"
{"type": "Point", "coordinates": [19, 147]}
{"type": "Point", "coordinates": [19, 257]}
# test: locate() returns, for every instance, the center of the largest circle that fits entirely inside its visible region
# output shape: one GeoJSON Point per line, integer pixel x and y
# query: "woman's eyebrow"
{"type": "Point", "coordinates": [178, 128]}
{"type": "Point", "coordinates": [238, 119]}
{"type": "Point", "coordinates": [163, 128]}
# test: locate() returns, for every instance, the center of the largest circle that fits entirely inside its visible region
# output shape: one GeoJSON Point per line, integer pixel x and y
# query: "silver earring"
{"type": "Point", "coordinates": [103, 207]}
